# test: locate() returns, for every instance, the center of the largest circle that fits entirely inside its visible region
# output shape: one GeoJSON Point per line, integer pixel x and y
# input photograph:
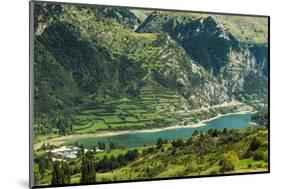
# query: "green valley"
{"type": "Point", "coordinates": [126, 94]}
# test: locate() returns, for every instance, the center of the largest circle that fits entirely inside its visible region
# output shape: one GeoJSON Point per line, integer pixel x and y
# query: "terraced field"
{"type": "Point", "coordinates": [152, 108]}
{"type": "Point", "coordinates": [148, 110]}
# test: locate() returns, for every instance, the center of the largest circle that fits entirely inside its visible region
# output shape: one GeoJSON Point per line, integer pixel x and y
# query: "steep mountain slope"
{"type": "Point", "coordinates": [240, 64]}
{"type": "Point", "coordinates": [94, 69]}
{"type": "Point", "coordinates": [107, 59]}
{"type": "Point", "coordinates": [120, 15]}
{"type": "Point", "coordinates": [54, 86]}
{"type": "Point", "coordinates": [141, 14]}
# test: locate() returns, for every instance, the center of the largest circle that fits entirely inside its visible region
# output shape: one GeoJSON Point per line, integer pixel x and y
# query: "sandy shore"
{"type": "Point", "coordinates": [64, 139]}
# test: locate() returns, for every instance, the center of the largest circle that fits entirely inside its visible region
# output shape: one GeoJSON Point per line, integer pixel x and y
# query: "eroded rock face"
{"type": "Point", "coordinates": [213, 46]}
{"type": "Point", "coordinates": [121, 15]}
{"type": "Point", "coordinates": [181, 73]}
{"type": "Point", "coordinates": [240, 64]}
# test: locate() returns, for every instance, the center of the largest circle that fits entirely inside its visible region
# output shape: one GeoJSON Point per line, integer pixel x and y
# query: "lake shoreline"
{"type": "Point", "coordinates": [65, 139]}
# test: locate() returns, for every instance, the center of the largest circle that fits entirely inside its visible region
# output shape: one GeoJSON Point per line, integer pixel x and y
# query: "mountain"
{"type": "Point", "coordinates": [235, 52]}
{"type": "Point", "coordinates": [120, 15]}
{"type": "Point", "coordinates": [105, 60]}
{"type": "Point", "coordinates": [95, 56]}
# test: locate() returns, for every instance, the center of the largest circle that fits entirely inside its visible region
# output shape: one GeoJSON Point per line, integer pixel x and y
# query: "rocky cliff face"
{"type": "Point", "coordinates": [234, 63]}
{"type": "Point", "coordinates": [260, 52]}
{"type": "Point", "coordinates": [120, 15]}
{"type": "Point", "coordinates": [103, 57]}
{"type": "Point", "coordinates": [176, 70]}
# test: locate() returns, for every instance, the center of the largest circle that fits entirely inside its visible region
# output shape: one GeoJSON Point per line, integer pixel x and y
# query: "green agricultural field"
{"type": "Point", "coordinates": [129, 125]}
{"type": "Point", "coordinates": [90, 128]}
{"type": "Point", "coordinates": [41, 138]}
{"type": "Point", "coordinates": [111, 119]}
{"type": "Point", "coordinates": [131, 119]}
{"type": "Point", "coordinates": [91, 112]}
{"type": "Point", "coordinates": [125, 113]}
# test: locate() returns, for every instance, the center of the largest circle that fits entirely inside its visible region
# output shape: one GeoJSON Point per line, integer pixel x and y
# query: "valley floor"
{"type": "Point", "coordinates": [63, 139]}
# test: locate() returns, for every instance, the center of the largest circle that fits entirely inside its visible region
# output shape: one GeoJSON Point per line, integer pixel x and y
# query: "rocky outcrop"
{"type": "Point", "coordinates": [234, 63]}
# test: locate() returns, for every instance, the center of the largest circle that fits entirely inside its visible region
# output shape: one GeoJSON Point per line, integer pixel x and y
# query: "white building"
{"type": "Point", "coordinates": [65, 152]}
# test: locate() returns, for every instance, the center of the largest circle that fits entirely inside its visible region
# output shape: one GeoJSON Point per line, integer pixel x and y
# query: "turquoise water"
{"type": "Point", "coordinates": [235, 121]}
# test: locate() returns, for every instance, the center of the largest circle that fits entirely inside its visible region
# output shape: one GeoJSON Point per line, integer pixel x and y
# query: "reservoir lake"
{"type": "Point", "coordinates": [136, 139]}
